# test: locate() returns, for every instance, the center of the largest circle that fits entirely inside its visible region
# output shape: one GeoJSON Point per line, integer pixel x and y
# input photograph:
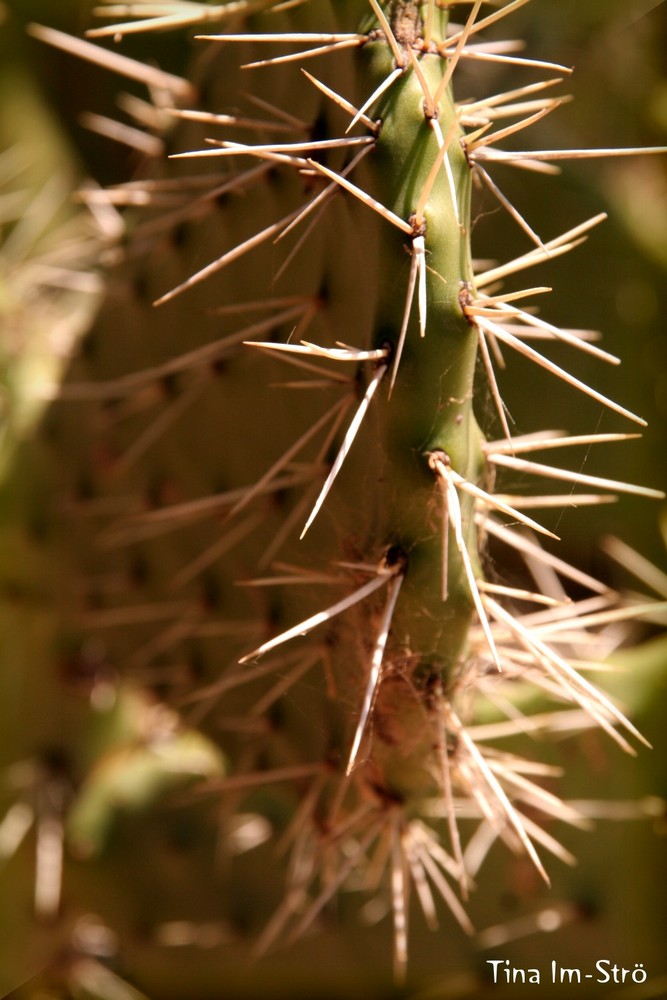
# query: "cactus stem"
{"type": "Point", "coordinates": [422, 652]}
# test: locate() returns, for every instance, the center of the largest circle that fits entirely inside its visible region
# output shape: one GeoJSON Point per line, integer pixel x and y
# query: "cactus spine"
{"type": "Point", "coordinates": [361, 737]}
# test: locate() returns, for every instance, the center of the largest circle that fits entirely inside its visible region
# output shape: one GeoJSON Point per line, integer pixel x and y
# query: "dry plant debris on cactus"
{"type": "Point", "coordinates": [278, 501]}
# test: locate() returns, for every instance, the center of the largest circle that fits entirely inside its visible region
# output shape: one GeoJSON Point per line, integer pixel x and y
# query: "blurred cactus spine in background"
{"type": "Point", "coordinates": [291, 645]}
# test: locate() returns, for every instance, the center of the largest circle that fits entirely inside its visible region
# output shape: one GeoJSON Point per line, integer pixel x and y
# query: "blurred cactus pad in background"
{"type": "Point", "coordinates": [332, 579]}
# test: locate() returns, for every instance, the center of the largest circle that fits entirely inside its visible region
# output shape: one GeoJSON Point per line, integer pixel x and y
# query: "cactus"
{"type": "Point", "coordinates": [286, 591]}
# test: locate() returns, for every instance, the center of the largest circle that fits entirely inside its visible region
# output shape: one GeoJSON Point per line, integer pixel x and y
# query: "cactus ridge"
{"type": "Point", "coordinates": [310, 587]}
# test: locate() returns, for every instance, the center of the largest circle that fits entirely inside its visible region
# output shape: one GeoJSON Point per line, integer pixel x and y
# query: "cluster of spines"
{"type": "Point", "coordinates": [501, 643]}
